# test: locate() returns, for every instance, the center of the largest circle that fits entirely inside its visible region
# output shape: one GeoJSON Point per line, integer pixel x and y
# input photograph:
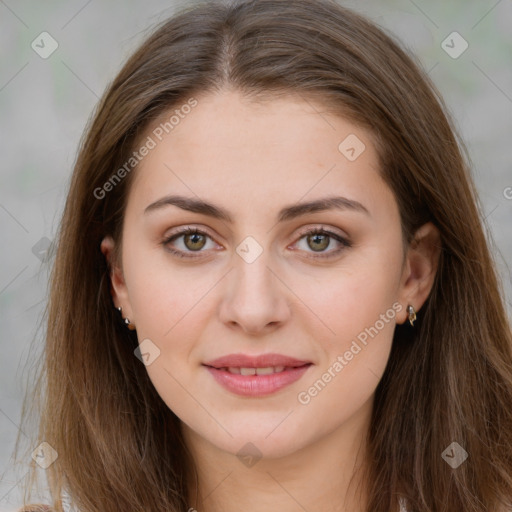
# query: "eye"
{"type": "Point", "coordinates": [319, 239]}
{"type": "Point", "coordinates": [193, 241]}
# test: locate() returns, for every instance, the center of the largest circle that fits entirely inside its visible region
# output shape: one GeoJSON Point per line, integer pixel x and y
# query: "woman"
{"type": "Point", "coordinates": [272, 288]}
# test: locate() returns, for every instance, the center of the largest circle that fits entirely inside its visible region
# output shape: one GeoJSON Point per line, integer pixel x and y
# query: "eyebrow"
{"type": "Point", "coordinates": [285, 214]}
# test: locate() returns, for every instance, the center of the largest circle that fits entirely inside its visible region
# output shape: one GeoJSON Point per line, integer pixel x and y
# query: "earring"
{"type": "Point", "coordinates": [126, 320]}
{"type": "Point", "coordinates": [129, 324]}
{"type": "Point", "coordinates": [412, 314]}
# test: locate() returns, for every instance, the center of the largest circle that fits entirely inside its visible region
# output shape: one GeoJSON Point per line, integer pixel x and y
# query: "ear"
{"type": "Point", "coordinates": [420, 269]}
{"type": "Point", "coordinates": [118, 287]}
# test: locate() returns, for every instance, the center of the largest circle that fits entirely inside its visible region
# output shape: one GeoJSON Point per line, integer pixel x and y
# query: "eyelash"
{"type": "Point", "coordinates": [315, 231]}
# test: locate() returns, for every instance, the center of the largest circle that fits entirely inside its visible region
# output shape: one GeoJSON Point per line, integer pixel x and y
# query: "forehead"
{"type": "Point", "coordinates": [279, 149]}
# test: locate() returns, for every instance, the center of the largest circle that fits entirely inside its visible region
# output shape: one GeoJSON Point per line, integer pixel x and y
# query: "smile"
{"type": "Point", "coordinates": [251, 376]}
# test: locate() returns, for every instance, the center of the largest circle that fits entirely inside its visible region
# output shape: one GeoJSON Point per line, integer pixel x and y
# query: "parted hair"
{"type": "Point", "coordinates": [449, 379]}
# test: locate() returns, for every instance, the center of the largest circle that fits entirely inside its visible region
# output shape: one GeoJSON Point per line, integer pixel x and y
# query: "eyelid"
{"type": "Point", "coordinates": [322, 227]}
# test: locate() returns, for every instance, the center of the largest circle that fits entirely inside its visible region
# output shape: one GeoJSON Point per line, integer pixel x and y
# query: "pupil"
{"type": "Point", "coordinates": [318, 237]}
{"type": "Point", "coordinates": [194, 238]}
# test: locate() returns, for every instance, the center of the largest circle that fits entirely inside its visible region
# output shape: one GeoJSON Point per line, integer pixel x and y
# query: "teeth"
{"type": "Point", "coordinates": [265, 371]}
{"type": "Point", "coordinates": [255, 371]}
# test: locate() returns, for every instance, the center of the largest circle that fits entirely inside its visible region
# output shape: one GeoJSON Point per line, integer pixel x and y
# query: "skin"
{"type": "Point", "coordinates": [254, 159]}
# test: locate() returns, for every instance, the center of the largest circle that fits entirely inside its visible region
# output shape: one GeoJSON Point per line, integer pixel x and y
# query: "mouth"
{"type": "Point", "coordinates": [256, 376]}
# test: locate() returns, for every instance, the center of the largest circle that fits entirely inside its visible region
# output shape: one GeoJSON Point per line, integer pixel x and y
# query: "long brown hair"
{"type": "Point", "coordinates": [447, 380]}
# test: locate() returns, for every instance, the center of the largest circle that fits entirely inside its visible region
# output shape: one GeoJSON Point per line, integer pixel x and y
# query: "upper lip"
{"type": "Point", "coordinates": [261, 361]}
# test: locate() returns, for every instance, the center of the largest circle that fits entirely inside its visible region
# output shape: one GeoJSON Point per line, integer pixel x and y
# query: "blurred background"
{"type": "Point", "coordinates": [56, 59]}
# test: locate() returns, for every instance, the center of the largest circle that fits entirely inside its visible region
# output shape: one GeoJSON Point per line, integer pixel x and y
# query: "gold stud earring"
{"type": "Point", "coordinates": [412, 314]}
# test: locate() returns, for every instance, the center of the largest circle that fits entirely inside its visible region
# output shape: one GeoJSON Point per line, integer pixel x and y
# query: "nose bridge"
{"type": "Point", "coordinates": [255, 297]}
{"type": "Point", "coordinates": [252, 277]}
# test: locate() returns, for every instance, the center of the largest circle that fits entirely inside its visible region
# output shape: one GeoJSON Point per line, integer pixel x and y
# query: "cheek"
{"type": "Point", "coordinates": [168, 306]}
{"type": "Point", "coordinates": [355, 357]}
{"type": "Point", "coordinates": [344, 301]}
{"type": "Point", "coordinates": [358, 310]}
{"type": "Point", "coordinates": [163, 294]}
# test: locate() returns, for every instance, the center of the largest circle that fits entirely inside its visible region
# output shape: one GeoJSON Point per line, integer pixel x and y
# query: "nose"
{"type": "Point", "coordinates": [255, 299]}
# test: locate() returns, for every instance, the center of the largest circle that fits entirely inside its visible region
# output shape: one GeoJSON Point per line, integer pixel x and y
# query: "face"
{"type": "Point", "coordinates": [307, 296]}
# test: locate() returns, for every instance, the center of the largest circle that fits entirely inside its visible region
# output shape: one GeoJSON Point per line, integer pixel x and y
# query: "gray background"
{"type": "Point", "coordinates": [45, 103]}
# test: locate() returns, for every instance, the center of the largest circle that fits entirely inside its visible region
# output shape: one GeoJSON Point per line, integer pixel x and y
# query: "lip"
{"type": "Point", "coordinates": [256, 385]}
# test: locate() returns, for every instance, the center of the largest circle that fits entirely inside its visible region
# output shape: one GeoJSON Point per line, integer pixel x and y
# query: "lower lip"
{"type": "Point", "coordinates": [257, 385]}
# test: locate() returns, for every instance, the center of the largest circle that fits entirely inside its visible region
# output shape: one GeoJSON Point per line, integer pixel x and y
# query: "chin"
{"type": "Point", "coordinates": [265, 439]}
